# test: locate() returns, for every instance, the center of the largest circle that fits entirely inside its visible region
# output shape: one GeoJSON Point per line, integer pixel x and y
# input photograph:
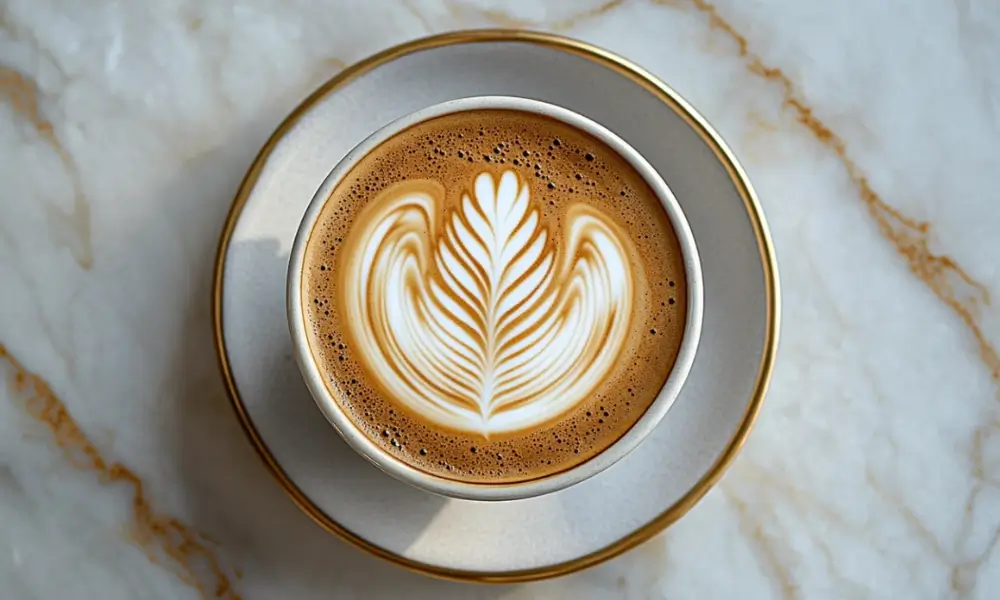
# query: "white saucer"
{"type": "Point", "coordinates": [524, 539]}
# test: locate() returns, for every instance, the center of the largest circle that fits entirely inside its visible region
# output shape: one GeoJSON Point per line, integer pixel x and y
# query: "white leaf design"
{"type": "Point", "coordinates": [479, 324]}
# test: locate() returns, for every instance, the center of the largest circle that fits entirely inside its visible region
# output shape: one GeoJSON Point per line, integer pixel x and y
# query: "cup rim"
{"type": "Point", "coordinates": [396, 467]}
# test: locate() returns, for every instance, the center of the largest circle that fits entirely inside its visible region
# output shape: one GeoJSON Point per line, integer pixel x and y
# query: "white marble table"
{"type": "Point", "coordinates": [871, 133]}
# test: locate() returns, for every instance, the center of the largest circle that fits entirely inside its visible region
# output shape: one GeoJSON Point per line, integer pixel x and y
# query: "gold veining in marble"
{"type": "Point", "coordinates": [592, 13]}
{"type": "Point", "coordinates": [772, 551]}
{"type": "Point", "coordinates": [911, 238]}
{"type": "Point", "coordinates": [462, 13]}
{"type": "Point", "coordinates": [794, 501]}
{"type": "Point", "coordinates": [962, 571]}
{"type": "Point", "coordinates": [70, 228]}
{"type": "Point", "coordinates": [166, 540]}
{"type": "Point", "coordinates": [951, 283]}
{"type": "Point", "coordinates": [758, 137]}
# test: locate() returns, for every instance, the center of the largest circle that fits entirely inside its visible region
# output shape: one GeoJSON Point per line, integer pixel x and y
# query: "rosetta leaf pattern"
{"type": "Point", "coordinates": [484, 323]}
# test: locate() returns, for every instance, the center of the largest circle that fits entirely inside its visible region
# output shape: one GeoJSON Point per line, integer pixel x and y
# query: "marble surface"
{"type": "Point", "coordinates": [869, 129]}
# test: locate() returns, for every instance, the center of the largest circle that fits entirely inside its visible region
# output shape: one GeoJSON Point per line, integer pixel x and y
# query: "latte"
{"type": "Point", "coordinates": [493, 296]}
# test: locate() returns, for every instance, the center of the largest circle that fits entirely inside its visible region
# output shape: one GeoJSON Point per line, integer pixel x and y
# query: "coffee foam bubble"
{"type": "Point", "coordinates": [563, 167]}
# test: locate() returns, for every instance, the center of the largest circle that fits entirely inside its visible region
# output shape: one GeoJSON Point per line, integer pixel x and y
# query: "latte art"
{"type": "Point", "coordinates": [493, 296]}
{"type": "Point", "coordinates": [477, 323]}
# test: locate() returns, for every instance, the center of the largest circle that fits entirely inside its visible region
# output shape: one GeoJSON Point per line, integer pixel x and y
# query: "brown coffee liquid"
{"type": "Point", "coordinates": [563, 167]}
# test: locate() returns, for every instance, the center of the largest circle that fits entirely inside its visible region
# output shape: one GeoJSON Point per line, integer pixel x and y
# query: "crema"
{"type": "Point", "coordinates": [493, 296]}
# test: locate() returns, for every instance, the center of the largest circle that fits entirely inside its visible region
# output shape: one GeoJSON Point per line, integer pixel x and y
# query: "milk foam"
{"type": "Point", "coordinates": [586, 208]}
{"type": "Point", "coordinates": [478, 320]}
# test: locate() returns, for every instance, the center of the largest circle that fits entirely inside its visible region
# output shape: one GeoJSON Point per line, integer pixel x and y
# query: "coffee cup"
{"type": "Point", "coordinates": [494, 298]}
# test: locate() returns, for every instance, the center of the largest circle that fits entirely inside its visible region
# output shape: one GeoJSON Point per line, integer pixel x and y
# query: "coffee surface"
{"type": "Point", "coordinates": [493, 296]}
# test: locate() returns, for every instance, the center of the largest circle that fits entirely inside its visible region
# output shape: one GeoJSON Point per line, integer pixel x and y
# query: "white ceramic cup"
{"type": "Point", "coordinates": [486, 491]}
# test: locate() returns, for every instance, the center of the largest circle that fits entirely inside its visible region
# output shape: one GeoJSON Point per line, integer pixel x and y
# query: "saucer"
{"type": "Point", "coordinates": [524, 539]}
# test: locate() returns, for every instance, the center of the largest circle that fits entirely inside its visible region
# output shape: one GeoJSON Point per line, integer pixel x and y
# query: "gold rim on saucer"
{"type": "Point", "coordinates": [682, 109]}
